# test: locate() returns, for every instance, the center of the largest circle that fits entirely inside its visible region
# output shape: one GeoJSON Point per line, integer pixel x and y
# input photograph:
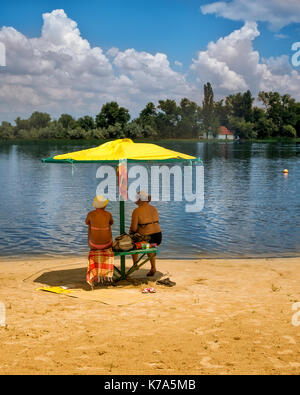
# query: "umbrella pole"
{"type": "Point", "coordinates": [122, 230]}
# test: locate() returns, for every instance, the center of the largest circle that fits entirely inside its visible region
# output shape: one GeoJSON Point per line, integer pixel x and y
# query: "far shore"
{"type": "Point", "coordinates": [285, 140]}
{"type": "Point", "coordinates": [224, 316]}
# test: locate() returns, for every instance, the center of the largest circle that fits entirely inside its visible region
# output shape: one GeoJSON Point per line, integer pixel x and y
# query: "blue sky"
{"type": "Point", "coordinates": [165, 48]}
{"type": "Point", "coordinates": [175, 27]}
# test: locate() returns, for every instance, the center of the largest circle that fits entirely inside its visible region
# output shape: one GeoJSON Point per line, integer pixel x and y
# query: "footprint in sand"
{"type": "Point", "coordinates": [42, 359]}
{"type": "Point", "coordinates": [210, 310]}
{"type": "Point", "coordinates": [213, 345]}
{"type": "Point", "coordinates": [205, 362]}
{"type": "Point", "coordinates": [201, 332]}
{"type": "Point", "coordinates": [285, 352]}
{"type": "Point", "coordinates": [294, 364]}
{"type": "Point", "coordinates": [255, 322]}
{"type": "Point", "coordinates": [276, 363]}
{"type": "Point", "coordinates": [290, 339]}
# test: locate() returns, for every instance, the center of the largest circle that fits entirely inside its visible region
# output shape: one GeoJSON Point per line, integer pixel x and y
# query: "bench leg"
{"type": "Point", "coordinates": [136, 266]}
{"type": "Point", "coordinates": [123, 266]}
{"type": "Point", "coordinates": [122, 272]}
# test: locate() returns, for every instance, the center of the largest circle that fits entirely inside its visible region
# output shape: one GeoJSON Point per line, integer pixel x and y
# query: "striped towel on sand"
{"type": "Point", "coordinates": [101, 266]}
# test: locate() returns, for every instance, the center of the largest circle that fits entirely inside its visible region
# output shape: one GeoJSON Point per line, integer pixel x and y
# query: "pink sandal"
{"type": "Point", "coordinates": [149, 291]}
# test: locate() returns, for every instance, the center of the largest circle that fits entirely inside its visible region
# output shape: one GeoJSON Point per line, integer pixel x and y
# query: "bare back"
{"type": "Point", "coordinates": [99, 222]}
{"type": "Point", "coordinates": [145, 220]}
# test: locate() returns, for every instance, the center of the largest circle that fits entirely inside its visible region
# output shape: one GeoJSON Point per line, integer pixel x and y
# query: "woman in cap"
{"type": "Point", "coordinates": [99, 222]}
{"type": "Point", "coordinates": [145, 220]}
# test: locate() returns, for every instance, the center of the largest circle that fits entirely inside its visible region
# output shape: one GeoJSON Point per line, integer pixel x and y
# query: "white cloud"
{"type": "Point", "coordinates": [60, 72]}
{"type": "Point", "coordinates": [151, 73]}
{"type": "Point", "coordinates": [278, 13]}
{"type": "Point", "coordinates": [233, 65]}
{"type": "Point", "coordinates": [178, 64]}
{"type": "Point", "coordinates": [112, 52]}
{"type": "Point", "coordinates": [281, 36]}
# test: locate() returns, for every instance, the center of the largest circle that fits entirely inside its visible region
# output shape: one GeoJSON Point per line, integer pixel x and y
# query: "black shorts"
{"type": "Point", "coordinates": [156, 238]}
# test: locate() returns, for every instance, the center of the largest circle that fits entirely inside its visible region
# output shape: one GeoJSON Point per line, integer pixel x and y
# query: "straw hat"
{"type": "Point", "coordinates": [100, 202]}
{"type": "Point", "coordinates": [143, 196]}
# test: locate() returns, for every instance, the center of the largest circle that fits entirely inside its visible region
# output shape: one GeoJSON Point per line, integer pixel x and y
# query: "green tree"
{"type": "Point", "coordinates": [6, 131]}
{"type": "Point", "coordinates": [297, 124]}
{"type": "Point", "coordinates": [288, 131]}
{"type": "Point", "coordinates": [208, 114]}
{"type": "Point", "coordinates": [39, 120]}
{"type": "Point", "coordinates": [190, 117]}
{"type": "Point", "coordinates": [240, 105]}
{"type": "Point", "coordinates": [170, 110]}
{"type": "Point", "coordinates": [282, 110]}
{"type": "Point", "coordinates": [133, 130]}
{"type": "Point", "coordinates": [21, 125]}
{"type": "Point", "coordinates": [168, 117]}
{"type": "Point", "coordinates": [86, 123]}
{"type": "Point", "coordinates": [100, 134]}
{"type": "Point", "coordinates": [111, 115]}
{"type": "Point", "coordinates": [222, 112]}
{"type": "Point", "coordinates": [242, 129]}
{"type": "Point", "coordinates": [76, 133]}
{"type": "Point", "coordinates": [148, 116]}
{"type": "Point", "coordinates": [67, 121]}
{"type": "Point", "coordinates": [263, 126]}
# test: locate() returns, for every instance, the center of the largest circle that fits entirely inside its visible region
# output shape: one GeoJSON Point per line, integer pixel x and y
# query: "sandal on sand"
{"type": "Point", "coordinates": [167, 282]}
{"type": "Point", "coordinates": [149, 291]}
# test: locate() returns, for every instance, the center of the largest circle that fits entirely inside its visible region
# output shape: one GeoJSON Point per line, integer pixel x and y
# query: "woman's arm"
{"type": "Point", "coordinates": [89, 234]}
{"type": "Point", "coordinates": [88, 222]}
{"type": "Point", "coordinates": [134, 222]}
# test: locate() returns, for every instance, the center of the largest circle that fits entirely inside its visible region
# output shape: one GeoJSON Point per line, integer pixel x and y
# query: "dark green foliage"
{"type": "Point", "coordinates": [6, 131]}
{"type": "Point", "coordinates": [111, 114]}
{"type": "Point", "coordinates": [279, 117]}
{"type": "Point", "coordinates": [39, 120]}
{"type": "Point", "coordinates": [240, 105]}
{"type": "Point", "coordinates": [86, 123]}
{"type": "Point", "coordinates": [67, 121]}
{"type": "Point", "coordinates": [242, 129]}
{"type": "Point", "coordinates": [208, 113]}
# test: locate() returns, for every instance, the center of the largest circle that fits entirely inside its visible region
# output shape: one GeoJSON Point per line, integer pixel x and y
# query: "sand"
{"type": "Point", "coordinates": [222, 317]}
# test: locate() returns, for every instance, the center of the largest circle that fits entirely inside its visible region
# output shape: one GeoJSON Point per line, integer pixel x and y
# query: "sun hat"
{"type": "Point", "coordinates": [100, 202]}
{"type": "Point", "coordinates": [143, 196]}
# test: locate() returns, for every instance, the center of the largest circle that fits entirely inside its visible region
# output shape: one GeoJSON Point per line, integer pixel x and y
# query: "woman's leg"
{"type": "Point", "coordinates": [153, 265]}
{"type": "Point", "coordinates": [135, 258]}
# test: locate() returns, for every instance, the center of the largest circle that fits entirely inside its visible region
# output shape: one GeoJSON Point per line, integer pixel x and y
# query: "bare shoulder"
{"type": "Point", "coordinates": [153, 208]}
{"type": "Point", "coordinates": [136, 211]}
{"type": "Point", "coordinates": [88, 217]}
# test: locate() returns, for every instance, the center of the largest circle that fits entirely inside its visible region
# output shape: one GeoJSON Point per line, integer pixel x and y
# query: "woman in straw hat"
{"type": "Point", "coordinates": [99, 222]}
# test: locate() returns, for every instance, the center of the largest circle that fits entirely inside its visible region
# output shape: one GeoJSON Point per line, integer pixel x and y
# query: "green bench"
{"type": "Point", "coordinates": [122, 274]}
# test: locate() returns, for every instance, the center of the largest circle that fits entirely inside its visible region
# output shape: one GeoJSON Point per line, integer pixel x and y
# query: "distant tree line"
{"type": "Point", "coordinates": [279, 116]}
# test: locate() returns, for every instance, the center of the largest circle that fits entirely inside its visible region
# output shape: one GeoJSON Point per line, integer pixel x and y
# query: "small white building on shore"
{"type": "Point", "coordinates": [225, 134]}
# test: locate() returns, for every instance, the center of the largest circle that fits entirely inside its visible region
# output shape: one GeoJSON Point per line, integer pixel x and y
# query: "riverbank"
{"type": "Point", "coordinates": [155, 141]}
{"type": "Point", "coordinates": [222, 317]}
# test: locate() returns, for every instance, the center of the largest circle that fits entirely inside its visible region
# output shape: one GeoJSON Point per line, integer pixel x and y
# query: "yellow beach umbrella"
{"type": "Point", "coordinates": [121, 149]}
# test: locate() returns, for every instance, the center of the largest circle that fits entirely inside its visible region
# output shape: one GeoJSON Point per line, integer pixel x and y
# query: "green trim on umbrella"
{"type": "Point", "coordinates": [72, 161]}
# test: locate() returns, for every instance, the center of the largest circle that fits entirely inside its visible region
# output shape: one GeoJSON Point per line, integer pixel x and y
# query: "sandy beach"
{"type": "Point", "coordinates": [222, 317]}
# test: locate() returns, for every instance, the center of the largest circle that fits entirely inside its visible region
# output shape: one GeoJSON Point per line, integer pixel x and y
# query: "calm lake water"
{"type": "Point", "coordinates": [251, 208]}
